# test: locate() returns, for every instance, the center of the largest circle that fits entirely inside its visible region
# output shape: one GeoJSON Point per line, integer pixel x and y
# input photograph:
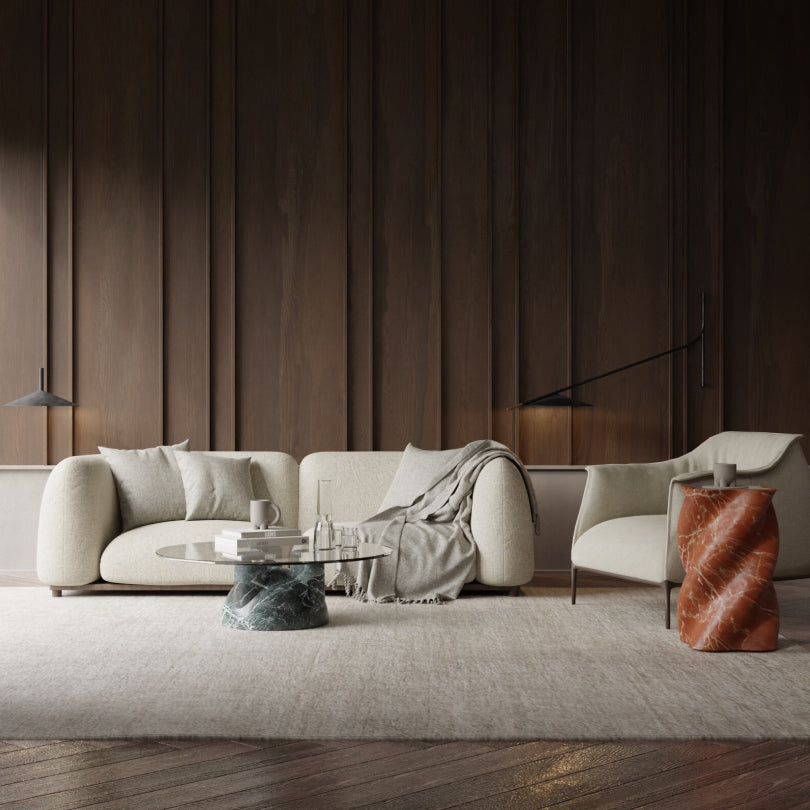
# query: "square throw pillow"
{"type": "Point", "coordinates": [216, 487]}
{"type": "Point", "coordinates": [150, 489]}
{"type": "Point", "coordinates": [416, 471]}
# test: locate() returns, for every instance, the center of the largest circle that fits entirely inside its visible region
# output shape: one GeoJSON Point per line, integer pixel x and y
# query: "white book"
{"type": "Point", "coordinates": [273, 531]}
{"type": "Point", "coordinates": [235, 545]}
{"type": "Point", "coordinates": [251, 555]}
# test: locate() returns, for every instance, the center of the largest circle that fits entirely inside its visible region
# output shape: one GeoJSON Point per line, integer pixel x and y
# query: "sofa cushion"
{"type": "Point", "coordinates": [130, 558]}
{"type": "Point", "coordinates": [149, 485]}
{"type": "Point", "coordinates": [216, 487]}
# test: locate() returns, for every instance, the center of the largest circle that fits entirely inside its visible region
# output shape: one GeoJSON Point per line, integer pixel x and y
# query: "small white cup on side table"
{"type": "Point", "coordinates": [725, 474]}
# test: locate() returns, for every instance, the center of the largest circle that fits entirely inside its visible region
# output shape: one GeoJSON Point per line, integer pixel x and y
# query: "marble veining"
{"type": "Point", "coordinates": [272, 597]}
{"type": "Point", "coordinates": [728, 540]}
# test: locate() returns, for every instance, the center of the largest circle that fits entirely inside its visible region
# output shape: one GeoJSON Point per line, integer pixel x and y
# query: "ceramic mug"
{"type": "Point", "coordinates": [264, 514]}
{"type": "Point", "coordinates": [724, 474]}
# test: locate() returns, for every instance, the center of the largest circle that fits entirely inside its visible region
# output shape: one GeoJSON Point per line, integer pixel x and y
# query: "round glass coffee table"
{"type": "Point", "coordinates": [284, 591]}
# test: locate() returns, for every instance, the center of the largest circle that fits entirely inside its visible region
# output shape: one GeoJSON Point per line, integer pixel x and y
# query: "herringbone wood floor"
{"type": "Point", "coordinates": [412, 775]}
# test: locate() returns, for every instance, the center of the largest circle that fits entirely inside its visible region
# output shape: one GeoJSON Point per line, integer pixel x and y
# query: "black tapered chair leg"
{"type": "Point", "coordinates": [667, 589]}
{"type": "Point", "coordinates": [574, 572]}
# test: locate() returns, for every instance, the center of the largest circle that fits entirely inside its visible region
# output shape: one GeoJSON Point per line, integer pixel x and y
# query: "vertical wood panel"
{"type": "Point", "coordinates": [544, 229]}
{"type": "Point", "coordinates": [185, 221]}
{"type": "Point", "coordinates": [767, 207]}
{"type": "Point", "coordinates": [678, 287]}
{"type": "Point", "coordinates": [22, 228]}
{"type": "Point", "coordinates": [465, 241]}
{"type": "Point", "coordinates": [360, 327]}
{"type": "Point", "coordinates": [222, 225]}
{"type": "Point", "coordinates": [117, 224]}
{"type": "Point", "coordinates": [291, 229]}
{"type": "Point", "coordinates": [60, 226]}
{"type": "Point", "coordinates": [407, 250]}
{"type": "Point", "coordinates": [621, 228]}
{"type": "Point", "coordinates": [504, 220]}
{"type": "Point", "coordinates": [704, 145]}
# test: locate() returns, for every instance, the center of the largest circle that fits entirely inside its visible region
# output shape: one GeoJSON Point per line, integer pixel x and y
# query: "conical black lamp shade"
{"type": "Point", "coordinates": [42, 397]}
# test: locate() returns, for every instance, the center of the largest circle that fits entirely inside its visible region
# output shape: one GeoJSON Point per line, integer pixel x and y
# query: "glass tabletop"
{"type": "Point", "coordinates": [297, 555]}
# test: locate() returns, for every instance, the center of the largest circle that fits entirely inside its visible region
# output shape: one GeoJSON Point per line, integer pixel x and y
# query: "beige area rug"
{"type": "Point", "coordinates": [484, 667]}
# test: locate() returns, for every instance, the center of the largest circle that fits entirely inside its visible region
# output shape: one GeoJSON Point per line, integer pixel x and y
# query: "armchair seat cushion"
{"type": "Point", "coordinates": [626, 546]}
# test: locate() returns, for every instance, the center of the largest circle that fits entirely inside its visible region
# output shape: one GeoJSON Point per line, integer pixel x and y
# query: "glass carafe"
{"type": "Point", "coordinates": [324, 531]}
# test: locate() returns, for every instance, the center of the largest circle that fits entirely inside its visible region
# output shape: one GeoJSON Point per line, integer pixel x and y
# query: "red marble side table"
{"type": "Point", "coordinates": [728, 540]}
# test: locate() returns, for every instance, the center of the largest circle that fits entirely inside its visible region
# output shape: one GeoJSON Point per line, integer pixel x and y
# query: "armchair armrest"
{"type": "Point", "coordinates": [502, 525]}
{"type": "Point", "coordinates": [78, 517]}
{"type": "Point", "coordinates": [621, 490]}
{"type": "Point", "coordinates": [696, 478]}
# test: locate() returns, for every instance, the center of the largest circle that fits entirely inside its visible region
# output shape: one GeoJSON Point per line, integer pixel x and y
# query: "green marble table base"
{"type": "Point", "coordinates": [272, 597]}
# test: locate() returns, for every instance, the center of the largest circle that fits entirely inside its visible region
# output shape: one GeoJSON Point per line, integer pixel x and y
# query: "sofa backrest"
{"type": "Point", "coordinates": [274, 476]}
{"type": "Point", "coordinates": [360, 481]}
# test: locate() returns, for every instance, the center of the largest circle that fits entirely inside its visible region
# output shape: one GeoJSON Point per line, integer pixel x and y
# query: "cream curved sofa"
{"type": "Point", "coordinates": [80, 544]}
{"type": "Point", "coordinates": [628, 519]}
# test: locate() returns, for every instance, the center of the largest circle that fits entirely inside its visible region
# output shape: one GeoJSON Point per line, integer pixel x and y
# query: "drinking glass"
{"type": "Point", "coordinates": [348, 543]}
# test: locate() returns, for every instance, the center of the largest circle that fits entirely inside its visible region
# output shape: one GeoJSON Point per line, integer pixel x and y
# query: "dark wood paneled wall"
{"type": "Point", "coordinates": [117, 207]}
{"type": "Point", "coordinates": [622, 221]}
{"type": "Point", "coordinates": [268, 224]}
{"type": "Point", "coordinates": [767, 215]}
{"type": "Point", "coordinates": [291, 213]}
{"type": "Point", "coordinates": [23, 226]}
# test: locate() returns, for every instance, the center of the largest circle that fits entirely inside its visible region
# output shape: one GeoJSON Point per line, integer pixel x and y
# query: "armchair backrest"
{"type": "Point", "coordinates": [748, 450]}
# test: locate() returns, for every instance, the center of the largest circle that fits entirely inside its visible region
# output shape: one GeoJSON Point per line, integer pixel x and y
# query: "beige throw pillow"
{"type": "Point", "coordinates": [216, 487]}
{"type": "Point", "coordinates": [416, 470]}
{"type": "Point", "coordinates": [150, 489]}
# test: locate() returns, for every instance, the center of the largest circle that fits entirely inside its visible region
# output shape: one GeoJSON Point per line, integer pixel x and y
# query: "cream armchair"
{"type": "Point", "coordinates": [628, 519]}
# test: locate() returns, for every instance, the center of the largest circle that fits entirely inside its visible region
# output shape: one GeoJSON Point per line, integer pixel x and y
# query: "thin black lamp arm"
{"type": "Point", "coordinates": [699, 337]}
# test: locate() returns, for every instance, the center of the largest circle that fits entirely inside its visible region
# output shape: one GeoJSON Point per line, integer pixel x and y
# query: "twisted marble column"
{"type": "Point", "coordinates": [728, 540]}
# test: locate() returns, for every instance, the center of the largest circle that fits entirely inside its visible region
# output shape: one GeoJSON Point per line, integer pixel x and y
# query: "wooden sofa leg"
{"type": "Point", "coordinates": [574, 572]}
{"type": "Point", "coordinates": [56, 591]}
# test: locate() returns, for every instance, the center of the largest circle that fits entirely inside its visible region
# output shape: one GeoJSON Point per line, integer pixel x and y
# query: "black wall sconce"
{"type": "Point", "coordinates": [558, 398]}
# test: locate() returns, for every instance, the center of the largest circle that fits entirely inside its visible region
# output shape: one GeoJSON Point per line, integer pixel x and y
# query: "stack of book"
{"type": "Point", "coordinates": [256, 544]}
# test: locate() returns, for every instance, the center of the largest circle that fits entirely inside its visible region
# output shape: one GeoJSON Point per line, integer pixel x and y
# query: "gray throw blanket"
{"type": "Point", "coordinates": [433, 548]}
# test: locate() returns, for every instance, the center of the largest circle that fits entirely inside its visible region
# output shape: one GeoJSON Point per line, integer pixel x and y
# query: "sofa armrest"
{"type": "Point", "coordinates": [78, 517]}
{"type": "Point", "coordinates": [502, 525]}
{"type": "Point", "coordinates": [622, 490]}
